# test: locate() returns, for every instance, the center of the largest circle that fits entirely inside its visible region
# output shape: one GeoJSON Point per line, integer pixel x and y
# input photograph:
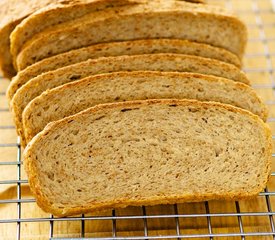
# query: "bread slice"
{"type": "Point", "coordinates": [165, 19]}
{"type": "Point", "coordinates": [148, 153]}
{"type": "Point", "coordinates": [120, 48]}
{"type": "Point", "coordinates": [12, 12]}
{"type": "Point", "coordinates": [153, 62]}
{"type": "Point", "coordinates": [72, 98]}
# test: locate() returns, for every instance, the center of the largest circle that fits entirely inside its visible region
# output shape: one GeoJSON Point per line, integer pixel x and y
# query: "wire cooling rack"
{"type": "Point", "coordinates": [20, 218]}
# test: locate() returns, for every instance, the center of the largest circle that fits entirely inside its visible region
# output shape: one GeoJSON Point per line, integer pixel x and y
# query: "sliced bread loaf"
{"type": "Point", "coordinates": [148, 153]}
{"type": "Point", "coordinates": [119, 48]}
{"type": "Point", "coordinates": [165, 19]}
{"type": "Point", "coordinates": [74, 97]}
{"type": "Point", "coordinates": [153, 62]}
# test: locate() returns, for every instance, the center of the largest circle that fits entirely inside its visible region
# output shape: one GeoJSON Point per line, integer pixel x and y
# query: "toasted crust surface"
{"type": "Point", "coordinates": [45, 165]}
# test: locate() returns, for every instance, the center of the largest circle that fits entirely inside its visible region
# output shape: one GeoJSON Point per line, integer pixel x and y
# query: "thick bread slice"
{"type": "Point", "coordinates": [153, 62]}
{"type": "Point", "coordinates": [11, 13]}
{"type": "Point", "coordinates": [120, 48]}
{"type": "Point", "coordinates": [56, 13]}
{"type": "Point", "coordinates": [148, 153]}
{"type": "Point", "coordinates": [165, 19]}
{"type": "Point", "coordinates": [74, 97]}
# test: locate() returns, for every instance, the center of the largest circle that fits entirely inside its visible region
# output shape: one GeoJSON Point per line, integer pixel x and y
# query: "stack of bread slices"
{"type": "Point", "coordinates": [132, 102]}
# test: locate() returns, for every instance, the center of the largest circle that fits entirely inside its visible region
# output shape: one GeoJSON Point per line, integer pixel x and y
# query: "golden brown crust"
{"type": "Point", "coordinates": [6, 65]}
{"type": "Point", "coordinates": [50, 129]}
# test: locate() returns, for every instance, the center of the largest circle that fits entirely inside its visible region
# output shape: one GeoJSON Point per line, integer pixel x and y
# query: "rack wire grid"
{"type": "Point", "coordinates": [20, 218]}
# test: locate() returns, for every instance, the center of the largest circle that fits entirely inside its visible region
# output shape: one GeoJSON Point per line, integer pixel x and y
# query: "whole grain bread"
{"type": "Point", "coordinates": [164, 19]}
{"type": "Point", "coordinates": [148, 153]}
{"type": "Point", "coordinates": [153, 62]}
{"type": "Point", "coordinates": [119, 48]}
{"type": "Point", "coordinates": [72, 98]}
{"type": "Point", "coordinates": [11, 13]}
{"type": "Point", "coordinates": [56, 13]}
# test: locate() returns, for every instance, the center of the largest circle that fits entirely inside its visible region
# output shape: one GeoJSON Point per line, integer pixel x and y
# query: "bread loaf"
{"type": "Point", "coordinates": [153, 62]}
{"type": "Point", "coordinates": [148, 153]}
{"type": "Point", "coordinates": [119, 48]}
{"type": "Point", "coordinates": [164, 19]}
{"type": "Point", "coordinates": [74, 97]}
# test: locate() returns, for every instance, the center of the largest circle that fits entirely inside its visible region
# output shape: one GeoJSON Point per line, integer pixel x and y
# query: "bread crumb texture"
{"type": "Point", "coordinates": [147, 153]}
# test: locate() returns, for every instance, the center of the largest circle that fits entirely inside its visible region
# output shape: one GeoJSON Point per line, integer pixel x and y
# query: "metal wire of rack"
{"type": "Point", "coordinates": [237, 221]}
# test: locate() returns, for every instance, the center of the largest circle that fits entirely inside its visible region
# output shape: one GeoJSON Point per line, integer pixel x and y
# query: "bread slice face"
{"type": "Point", "coordinates": [74, 97]}
{"type": "Point", "coordinates": [153, 62]}
{"type": "Point", "coordinates": [137, 47]}
{"type": "Point", "coordinates": [165, 19]}
{"type": "Point", "coordinates": [148, 153]}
